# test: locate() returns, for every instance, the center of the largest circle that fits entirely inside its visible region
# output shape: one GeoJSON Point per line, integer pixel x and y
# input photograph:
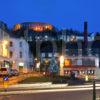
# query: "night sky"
{"type": "Point", "coordinates": [60, 13]}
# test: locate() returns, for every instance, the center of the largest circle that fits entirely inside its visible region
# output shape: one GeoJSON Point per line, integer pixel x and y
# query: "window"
{"type": "Point", "coordinates": [50, 54]}
{"type": "Point", "coordinates": [43, 54]}
{"type": "Point", "coordinates": [11, 43]}
{"type": "Point", "coordinates": [20, 54]}
{"type": "Point", "coordinates": [11, 54]}
{"type": "Point", "coordinates": [20, 44]}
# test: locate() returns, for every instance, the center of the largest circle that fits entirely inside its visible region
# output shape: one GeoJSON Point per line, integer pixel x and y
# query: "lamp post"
{"type": "Point", "coordinates": [61, 65]}
{"type": "Point", "coordinates": [94, 90]}
{"type": "Point", "coordinates": [46, 66]}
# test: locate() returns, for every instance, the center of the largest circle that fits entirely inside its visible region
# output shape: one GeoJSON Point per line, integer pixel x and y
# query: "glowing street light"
{"type": "Point", "coordinates": [61, 65]}
{"type": "Point", "coordinates": [61, 59]}
{"type": "Point", "coordinates": [38, 65]}
{"type": "Point", "coordinates": [35, 59]}
{"type": "Point", "coordinates": [97, 62]}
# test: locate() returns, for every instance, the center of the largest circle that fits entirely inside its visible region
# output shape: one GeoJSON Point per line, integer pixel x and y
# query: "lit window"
{"type": "Point", "coordinates": [17, 27]}
{"type": "Point", "coordinates": [37, 28]}
{"type": "Point", "coordinates": [49, 27]}
{"type": "Point", "coordinates": [50, 55]}
{"type": "Point", "coordinates": [67, 62]}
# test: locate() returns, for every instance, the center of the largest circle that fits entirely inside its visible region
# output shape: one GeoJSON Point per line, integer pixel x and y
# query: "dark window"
{"type": "Point", "coordinates": [20, 54]}
{"type": "Point", "coordinates": [11, 43]}
{"type": "Point", "coordinates": [20, 44]}
{"type": "Point", "coordinates": [11, 54]}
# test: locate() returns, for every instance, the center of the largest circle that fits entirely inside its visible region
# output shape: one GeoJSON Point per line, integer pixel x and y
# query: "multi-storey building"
{"type": "Point", "coordinates": [4, 47]}
{"type": "Point", "coordinates": [19, 54]}
{"type": "Point", "coordinates": [14, 51]}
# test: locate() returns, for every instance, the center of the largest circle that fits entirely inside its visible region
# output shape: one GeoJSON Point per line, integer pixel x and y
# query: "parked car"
{"type": "Point", "coordinates": [5, 71]}
{"type": "Point", "coordinates": [14, 72]}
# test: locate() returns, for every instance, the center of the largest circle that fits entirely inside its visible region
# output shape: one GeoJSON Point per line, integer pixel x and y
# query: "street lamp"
{"type": "Point", "coordinates": [61, 65]}
{"type": "Point", "coordinates": [35, 59]}
{"type": "Point", "coordinates": [38, 65]}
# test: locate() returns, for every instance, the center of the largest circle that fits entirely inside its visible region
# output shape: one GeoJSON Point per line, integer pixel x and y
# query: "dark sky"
{"type": "Point", "coordinates": [61, 13]}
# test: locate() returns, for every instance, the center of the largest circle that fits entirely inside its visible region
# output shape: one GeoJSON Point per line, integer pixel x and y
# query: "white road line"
{"type": "Point", "coordinates": [49, 85]}
{"type": "Point", "coordinates": [45, 91]}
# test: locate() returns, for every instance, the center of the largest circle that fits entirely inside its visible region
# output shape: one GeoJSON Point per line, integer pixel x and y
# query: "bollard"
{"type": "Point", "coordinates": [86, 78]}
{"type": "Point", "coordinates": [94, 91]}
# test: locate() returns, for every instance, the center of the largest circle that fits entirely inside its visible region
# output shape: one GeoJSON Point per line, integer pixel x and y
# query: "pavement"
{"type": "Point", "coordinates": [15, 79]}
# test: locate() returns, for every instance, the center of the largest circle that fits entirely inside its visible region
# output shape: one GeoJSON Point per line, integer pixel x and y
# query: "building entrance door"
{"type": "Point", "coordinates": [21, 69]}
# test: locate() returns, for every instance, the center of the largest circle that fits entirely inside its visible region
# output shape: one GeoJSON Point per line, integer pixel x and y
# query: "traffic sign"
{"type": "Point", "coordinates": [6, 78]}
{"type": "Point", "coordinates": [6, 81]}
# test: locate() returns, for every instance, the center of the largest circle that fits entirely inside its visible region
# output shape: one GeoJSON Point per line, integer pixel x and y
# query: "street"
{"type": "Point", "coordinates": [72, 95]}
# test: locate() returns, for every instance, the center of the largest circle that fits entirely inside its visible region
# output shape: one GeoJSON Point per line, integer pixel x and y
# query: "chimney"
{"type": "Point", "coordinates": [85, 33]}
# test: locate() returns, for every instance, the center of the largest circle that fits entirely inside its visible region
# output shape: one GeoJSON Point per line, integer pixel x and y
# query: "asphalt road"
{"type": "Point", "coordinates": [75, 95]}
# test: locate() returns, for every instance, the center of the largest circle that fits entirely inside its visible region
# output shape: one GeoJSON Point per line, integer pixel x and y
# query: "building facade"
{"type": "Point", "coordinates": [20, 55]}
{"type": "Point", "coordinates": [4, 47]}
{"type": "Point", "coordinates": [79, 47]}
{"type": "Point", "coordinates": [3, 25]}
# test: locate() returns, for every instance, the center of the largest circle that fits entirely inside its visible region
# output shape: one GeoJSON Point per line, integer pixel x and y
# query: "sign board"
{"type": "Point", "coordinates": [67, 62]}
{"type": "Point", "coordinates": [6, 78]}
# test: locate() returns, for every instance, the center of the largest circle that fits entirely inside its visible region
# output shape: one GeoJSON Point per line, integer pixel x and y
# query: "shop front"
{"type": "Point", "coordinates": [80, 71]}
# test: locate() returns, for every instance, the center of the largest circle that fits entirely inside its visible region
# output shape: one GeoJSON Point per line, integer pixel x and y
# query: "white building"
{"type": "Point", "coordinates": [20, 55]}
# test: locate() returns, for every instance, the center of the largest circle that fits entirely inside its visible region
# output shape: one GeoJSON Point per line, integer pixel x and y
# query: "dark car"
{"type": "Point", "coordinates": [4, 71]}
{"type": "Point", "coordinates": [14, 72]}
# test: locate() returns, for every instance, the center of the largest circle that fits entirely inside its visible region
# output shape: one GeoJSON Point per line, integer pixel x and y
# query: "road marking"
{"type": "Point", "coordinates": [45, 91]}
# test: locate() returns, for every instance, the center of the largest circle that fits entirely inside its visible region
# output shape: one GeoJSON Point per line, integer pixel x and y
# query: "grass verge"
{"type": "Point", "coordinates": [34, 80]}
